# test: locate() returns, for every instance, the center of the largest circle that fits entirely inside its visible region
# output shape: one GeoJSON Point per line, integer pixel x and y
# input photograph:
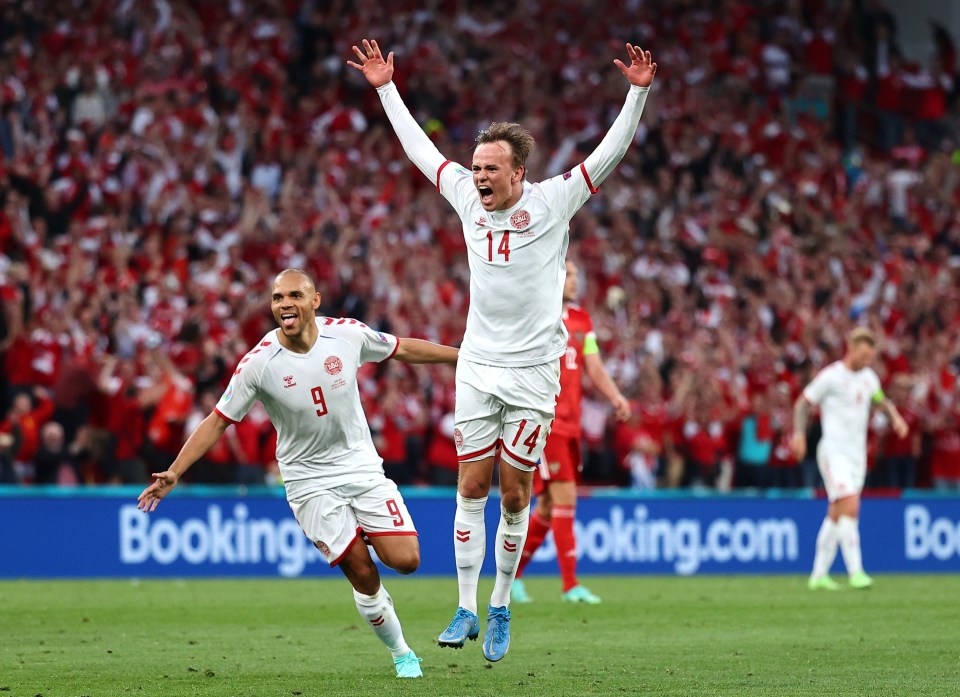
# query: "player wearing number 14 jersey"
{"type": "Point", "coordinates": [508, 376]}
{"type": "Point", "coordinates": [305, 374]}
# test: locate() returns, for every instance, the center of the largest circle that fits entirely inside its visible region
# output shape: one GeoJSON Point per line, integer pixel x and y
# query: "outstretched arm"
{"type": "Point", "coordinates": [640, 73]}
{"type": "Point", "coordinates": [420, 351]}
{"type": "Point", "coordinates": [200, 441]}
{"type": "Point", "coordinates": [379, 73]}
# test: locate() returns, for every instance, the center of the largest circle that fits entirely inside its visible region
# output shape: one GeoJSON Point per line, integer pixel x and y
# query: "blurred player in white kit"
{"type": "Point", "coordinates": [508, 374]}
{"type": "Point", "coordinates": [305, 374]}
{"type": "Point", "coordinates": [845, 391]}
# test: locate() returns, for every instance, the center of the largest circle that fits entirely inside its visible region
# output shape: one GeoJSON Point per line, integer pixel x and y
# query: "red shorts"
{"type": "Point", "coordinates": [560, 462]}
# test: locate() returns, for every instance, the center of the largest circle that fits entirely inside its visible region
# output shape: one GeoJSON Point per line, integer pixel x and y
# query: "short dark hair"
{"type": "Point", "coordinates": [518, 137]}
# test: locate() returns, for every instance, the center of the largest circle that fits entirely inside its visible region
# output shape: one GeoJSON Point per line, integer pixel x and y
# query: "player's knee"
{"type": "Point", "coordinates": [363, 577]}
{"type": "Point", "coordinates": [408, 563]}
{"type": "Point", "coordinates": [470, 488]}
{"type": "Point", "coordinates": [515, 499]}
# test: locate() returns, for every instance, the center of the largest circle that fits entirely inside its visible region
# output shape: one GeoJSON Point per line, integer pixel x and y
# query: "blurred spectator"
{"type": "Point", "coordinates": [159, 161]}
{"type": "Point", "coordinates": [26, 416]}
{"type": "Point", "coordinates": [57, 461]}
{"type": "Point", "coordinates": [755, 444]}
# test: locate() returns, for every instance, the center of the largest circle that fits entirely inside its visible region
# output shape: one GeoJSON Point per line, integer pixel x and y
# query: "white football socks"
{"type": "Point", "coordinates": [469, 546]}
{"type": "Point", "coordinates": [377, 610]}
{"type": "Point", "coordinates": [511, 534]}
{"type": "Point", "coordinates": [848, 529]}
{"type": "Point", "coordinates": [827, 540]}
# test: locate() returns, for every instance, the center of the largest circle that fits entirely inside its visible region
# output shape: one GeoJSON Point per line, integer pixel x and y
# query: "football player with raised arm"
{"type": "Point", "coordinates": [508, 375]}
{"type": "Point", "coordinates": [305, 374]}
{"type": "Point", "coordinates": [845, 391]}
{"type": "Point", "coordinates": [555, 481]}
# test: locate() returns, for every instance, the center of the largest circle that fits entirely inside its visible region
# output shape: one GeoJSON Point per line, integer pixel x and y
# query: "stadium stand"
{"type": "Point", "coordinates": [794, 175]}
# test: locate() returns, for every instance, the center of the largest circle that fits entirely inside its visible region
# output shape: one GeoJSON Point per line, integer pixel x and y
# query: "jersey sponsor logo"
{"type": "Point", "coordinates": [520, 219]}
{"type": "Point", "coordinates": [288, 381]}
{"type": "Point", "coordinates": [333, 365]}
{"type": "Point", "coordinates": [458, 439]}
{"type": "Point", "coordinates": [228, 395]}
{"type": "Point", "coordinates": [324, 549]}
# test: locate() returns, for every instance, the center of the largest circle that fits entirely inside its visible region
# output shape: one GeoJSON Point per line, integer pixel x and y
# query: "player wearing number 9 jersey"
{"type": "Point", "coordinates": [305, 374]}
{"type": "Point", "coordinates": [508, 379]}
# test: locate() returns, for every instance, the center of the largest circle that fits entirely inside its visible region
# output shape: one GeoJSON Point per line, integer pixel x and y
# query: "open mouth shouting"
{"type": "Point", "coordinates": [486, 195]}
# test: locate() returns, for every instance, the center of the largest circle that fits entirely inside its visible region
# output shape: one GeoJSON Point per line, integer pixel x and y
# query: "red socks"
{"type": "Point", "coordinates": [535, 533]}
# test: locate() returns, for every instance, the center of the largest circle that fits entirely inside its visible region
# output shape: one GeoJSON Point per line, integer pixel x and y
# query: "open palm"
{"type": "Point", "coordinates": [377, 70]}
{"type": "Point", "coordinates": [641, 70]}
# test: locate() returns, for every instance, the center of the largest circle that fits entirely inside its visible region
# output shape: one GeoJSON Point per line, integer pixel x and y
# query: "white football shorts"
{"type": "Point", "coordinates": [507, 408]}
{"type": "Point", "coordinates": [335, 519]}
{"type": "Point", "coordinates": [843, 475]}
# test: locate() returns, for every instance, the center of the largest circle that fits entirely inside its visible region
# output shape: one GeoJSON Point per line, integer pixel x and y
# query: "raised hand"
{"type": "Point", "coordinates": [641, 70]}
{"type": "Point", "coordinates": [377, 70]}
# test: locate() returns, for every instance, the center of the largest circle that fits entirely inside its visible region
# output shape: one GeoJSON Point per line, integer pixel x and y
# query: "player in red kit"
{"type": "Point", "coordinates": [555, 480]}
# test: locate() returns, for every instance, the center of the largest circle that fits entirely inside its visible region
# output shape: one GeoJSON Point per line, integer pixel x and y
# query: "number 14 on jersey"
{"type": "Point", "coordinates": [503, 249]}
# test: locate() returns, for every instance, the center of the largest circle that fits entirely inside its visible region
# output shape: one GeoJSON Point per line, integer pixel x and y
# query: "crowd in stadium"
{"type": "Point", "coordinates": [794, 175]}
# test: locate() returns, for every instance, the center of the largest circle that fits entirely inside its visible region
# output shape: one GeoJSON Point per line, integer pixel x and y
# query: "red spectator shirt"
{"type": "Point", "coordinates": [580, 328]}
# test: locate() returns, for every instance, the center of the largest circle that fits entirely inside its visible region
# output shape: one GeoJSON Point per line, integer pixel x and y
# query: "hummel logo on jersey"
{"type": "Point", "coordinates": [463, 535]}
{"type": "Point", "coordinates": [509, 546]}
{"type": "Point", "coordinates": [378, 621]}
{"type": "Point", "coordinates": [481, 220]}
{"type": "Point", "coordinates": [288, 381]}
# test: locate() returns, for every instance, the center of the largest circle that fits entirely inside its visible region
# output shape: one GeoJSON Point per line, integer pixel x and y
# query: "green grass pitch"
{"type": "Point", "coordinates": [652, 635]}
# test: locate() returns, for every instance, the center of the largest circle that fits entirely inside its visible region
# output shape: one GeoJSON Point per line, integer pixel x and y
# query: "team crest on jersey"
{"type": "Point", "coordinates": [554, 467]}
{"type": "Point", "coordinates": [324, 549]}
{"type": "Point", "coordinates": [520, 219]}
{"type": "Point", "coordinates": [333, 365]}
{"type": "Point", "coordinates": [288, 381]}
{"type": "Point", "coordinates": [458, 439]}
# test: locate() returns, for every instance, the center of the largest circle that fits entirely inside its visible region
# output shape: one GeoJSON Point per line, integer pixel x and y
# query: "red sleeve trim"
{"type": "Point", "coordinates": [522, 461]}
{"type": "Point", "coordinates": [586, 176]}
{"type": "Point", "coordinates": [394, 352]}
{"type": "Point", "coordinates": [224, 416]}
{"type": "Point", "coordinates": [441, 170]}
{"type": "Point", "coordinates": [477, 453]}
{"type": "Point", "coordinates": [347, 550]}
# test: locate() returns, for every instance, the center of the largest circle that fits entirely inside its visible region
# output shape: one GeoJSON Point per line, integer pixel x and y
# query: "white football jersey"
{"type": "Point", "coordinates": [517, 267]}
{"type": "Point", "coordinates": [313, 400]}
{"type": "Point", "coordinates": [516, 256]}
{"type": "Point", "coordinates": [845, 398]}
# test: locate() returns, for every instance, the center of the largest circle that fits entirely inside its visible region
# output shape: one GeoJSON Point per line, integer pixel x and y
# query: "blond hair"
{"type": "Point", "coordinates": [861, 335]}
